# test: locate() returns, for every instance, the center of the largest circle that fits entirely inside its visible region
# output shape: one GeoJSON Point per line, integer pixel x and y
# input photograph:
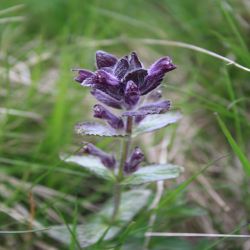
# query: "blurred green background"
{"type": "Point", "coordinates": [40, 41]}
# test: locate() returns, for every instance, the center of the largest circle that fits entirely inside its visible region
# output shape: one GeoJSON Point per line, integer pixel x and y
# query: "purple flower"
{"type": "Point", "coordinates": [102, 113]}
{"type": "Point", "coordinates": [123, 83]}
{"type": "Point", "coordinates": [132, 164]}
{"type": "Point", "coordinates": [125, 79]}
{"type": "Point", "coordinates": [156, 73]}
{"type": "Point", "coordinates": [107, 159]}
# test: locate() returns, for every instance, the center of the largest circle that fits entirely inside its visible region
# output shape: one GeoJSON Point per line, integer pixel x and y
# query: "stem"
{"type": "Point", "coordinates": [117, 201]}
{"type": "Point", "coordinates": [126, 141]}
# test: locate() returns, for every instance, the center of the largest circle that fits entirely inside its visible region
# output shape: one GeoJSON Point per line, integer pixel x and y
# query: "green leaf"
{"type": "Point", "coordinates": [97, 129]}
{"type": "Point", "coordinates": [92, 164]}
{"type": "Point", "coordinates": [154, 122]}
{"type": "Point", "coordinates": [153, 173]}
{"type": "Point", "coordinates": [87, 234]}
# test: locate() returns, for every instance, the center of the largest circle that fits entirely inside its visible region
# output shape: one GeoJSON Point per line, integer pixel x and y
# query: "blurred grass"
{"type": "Point", "coordinates": [69, 31]}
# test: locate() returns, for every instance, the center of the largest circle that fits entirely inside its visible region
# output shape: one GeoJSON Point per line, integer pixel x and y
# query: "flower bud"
{"type": "Point", "coordinates": [134, 61]}
{"type": "Point", "coordinates": [163, 65]}
{"type": "Point", "coordinates": [102, 113]}
{"type": "Point", "coordinates": [82, 75]}
{"type": "Point", "coordinates": [121, 68]}
{"type": "Point", "coordinates": [132, 94]}
{"type": "Point", "coordinates": [104, 77]}
{"type": "Point", "coordinates": [137, 76]}
{"type": "Point", "coordinates": [156, 73]}
{"type": "Point", "coordinates": [106, 99]}
{"type": "Point", "coordinates": [104, 59]}
{"type": "Point", "coordinates": [132, 164]}
{"type": "Point", "coordinates": [106, 159]}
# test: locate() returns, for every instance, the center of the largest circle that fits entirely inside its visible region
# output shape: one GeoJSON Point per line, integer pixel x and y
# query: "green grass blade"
{"type": "Point", "coordinates": [237, 150]}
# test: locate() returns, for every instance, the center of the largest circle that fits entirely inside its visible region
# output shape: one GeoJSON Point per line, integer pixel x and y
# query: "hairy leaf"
{"type": "Point", "coordinates": [153, 173]}
{"type": "Point", "coordinates": [97, 227]}
{"type": "Point", "coordinates": [97, 129]}
{"type": "Point", "coordinates": [92, 164]}
{"type": "Point", "coordinates": [151, 108]}
{"type": "Point", "coordinates": [154, 122]}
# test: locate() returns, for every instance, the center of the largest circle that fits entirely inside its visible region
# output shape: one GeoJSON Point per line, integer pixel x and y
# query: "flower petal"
{"type": "Point", "coordinates": [152, 108]}
{"type": "Point", "coordinates": [106, 99]}
{"type": "Point", "coordinates": [121, 68]}
{"type": "Point", "coordinates": [163, 65]}
{"type": "Point", "coordinates": [101, 78]}
{"type": "Point", "coordinates": [83, 74]}
{"type": "Point", "coordinates": [104, 59]}
{"type": "Point", "coordinates": [116, 91]}
{"type": "Point", "coordinates": [131, 95]}
{"type": "Point", "coordinates": [134, 62]}
{"type": "Point", "coordinates": [136, 76]}
{"type": "Point", "coordinates": [156, 73]}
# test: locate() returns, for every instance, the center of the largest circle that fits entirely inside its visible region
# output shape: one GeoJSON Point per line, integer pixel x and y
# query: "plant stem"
{"type": "Point", "coordinates": [126, 141]}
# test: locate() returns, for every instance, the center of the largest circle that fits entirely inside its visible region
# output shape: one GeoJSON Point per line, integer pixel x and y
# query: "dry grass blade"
{"type": "Point", "coordinates": [13, 19]}
{"type": "Point", "coordinates": [20, 216]}
{"type": "Point", "coordinates": [156, 234]}
{"type": "Point", "coordinates": [24, 231]}
{"type": "Point", "coordinates": [45, 192]}
{"type": "Point", "coordinates": [192, 47]}
{"type": "Point", "coordinates": [11, 9]}
{"type": "Point", "coordinates": [16, 112]}
{"type": "Point", "coordinates": [148, 41]}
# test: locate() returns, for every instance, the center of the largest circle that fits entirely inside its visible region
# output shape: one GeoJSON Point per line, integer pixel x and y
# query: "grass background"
{"type": "Point", "coordinates": [40, 41]}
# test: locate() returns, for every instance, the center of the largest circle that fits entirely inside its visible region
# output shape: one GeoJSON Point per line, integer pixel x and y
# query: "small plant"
{"type": "Point", "coordinates": [126, 86]}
